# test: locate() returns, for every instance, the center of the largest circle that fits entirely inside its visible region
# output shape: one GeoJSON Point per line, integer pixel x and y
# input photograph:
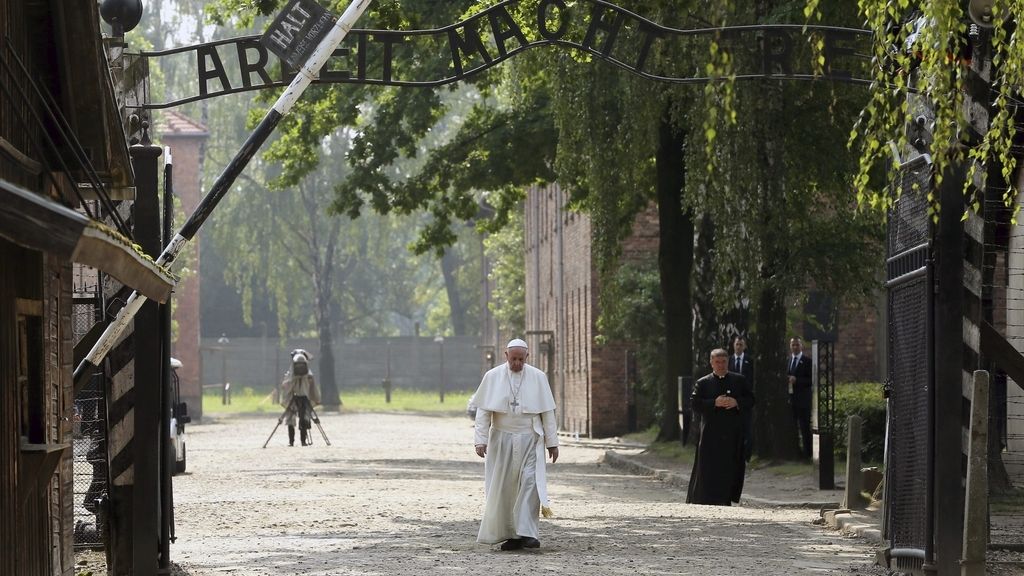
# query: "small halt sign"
{"type": "Point", "coordinates": [297, 31]}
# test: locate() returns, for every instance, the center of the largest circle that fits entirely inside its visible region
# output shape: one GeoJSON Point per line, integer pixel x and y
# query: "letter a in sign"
{"type": "Point", "coordinates": [297, 30]}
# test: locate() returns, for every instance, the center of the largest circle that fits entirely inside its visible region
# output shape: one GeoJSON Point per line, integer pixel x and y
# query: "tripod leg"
{"type": "Point", "coordinates": [316, 420]}
{"type": "Point", "coordinates": [272, 432]}
{"type": "Point", "coordinates": [279, 420]}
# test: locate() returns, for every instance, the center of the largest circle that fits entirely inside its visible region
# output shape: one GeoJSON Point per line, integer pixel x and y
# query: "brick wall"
{"type": "Point", "coordinates": [186, 139]}
{"type": "Point", "coordinates": [562, 296]}
{"type": "Point", "coordinates": [588, 381]}
{"type": "Point", "coordinates": [860, 342]}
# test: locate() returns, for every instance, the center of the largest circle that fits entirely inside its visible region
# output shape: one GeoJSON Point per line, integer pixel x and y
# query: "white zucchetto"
{"type": "Point", "coordinates": [517, 343]}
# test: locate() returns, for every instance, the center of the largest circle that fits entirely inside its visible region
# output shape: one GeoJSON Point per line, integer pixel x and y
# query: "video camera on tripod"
{"type": "Point", "coordinates": [302, 394]}
{"type": "Point", "coordinates": [294, 410]}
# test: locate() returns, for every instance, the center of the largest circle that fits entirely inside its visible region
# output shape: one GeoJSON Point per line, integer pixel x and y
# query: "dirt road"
{"type": "Point", "coordinates": [402, 494]}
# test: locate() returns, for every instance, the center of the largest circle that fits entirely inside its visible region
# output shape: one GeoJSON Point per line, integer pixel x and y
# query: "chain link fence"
{"type": "Point", "coordinates": [90, 471]}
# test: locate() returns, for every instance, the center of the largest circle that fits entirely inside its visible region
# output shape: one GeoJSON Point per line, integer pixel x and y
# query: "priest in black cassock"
{"type": "Point", "coordinates": [721, 399]}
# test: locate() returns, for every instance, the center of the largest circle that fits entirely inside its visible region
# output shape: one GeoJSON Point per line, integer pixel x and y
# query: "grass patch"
{"type": "Point", "coordinates": [1010, 502]}
{"type": "Point", "coordinates": [642, 437]}
{"type": "Point", "coordinates": [672, 451]}
{"type": "Point", "coordinates": [787, 469]}
{"type": "Point", "coordinates": [363, 400]}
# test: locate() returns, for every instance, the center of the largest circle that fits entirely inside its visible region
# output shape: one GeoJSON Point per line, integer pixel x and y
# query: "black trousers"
{"type": "Point", "coordinates": [304, 410]}
{"type": "Point", "coordinates": [800, 401]}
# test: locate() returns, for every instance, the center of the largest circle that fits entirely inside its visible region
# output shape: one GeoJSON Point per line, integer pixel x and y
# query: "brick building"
{"type": "Point", "coordinates": [861, 352]}
{"type": "Point", "coordinates": [590, 381]}
{"type": "Point", "coordinates": [186, 139]}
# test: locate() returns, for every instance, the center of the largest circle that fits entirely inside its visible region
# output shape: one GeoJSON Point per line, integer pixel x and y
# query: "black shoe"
{"type": "Point", "coordinates": [529, 542]}
{"type": "Point", "coordinates": [513, 544]}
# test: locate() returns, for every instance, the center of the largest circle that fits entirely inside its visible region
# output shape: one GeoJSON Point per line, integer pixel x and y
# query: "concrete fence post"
{"type": "Point", "coordinates": [976, 501]}
{"type": "Point", "coordinates": [854, 481]}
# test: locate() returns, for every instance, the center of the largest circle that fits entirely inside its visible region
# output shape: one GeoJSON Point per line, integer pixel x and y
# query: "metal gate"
{"type": "Point", "coordinates": [90, 471]}
{"type": "Point", "coordinates": [908, 280]}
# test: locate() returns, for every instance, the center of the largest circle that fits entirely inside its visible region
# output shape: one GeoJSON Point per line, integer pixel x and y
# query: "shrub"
{"type": "Point", "coordinates": [863, 399]}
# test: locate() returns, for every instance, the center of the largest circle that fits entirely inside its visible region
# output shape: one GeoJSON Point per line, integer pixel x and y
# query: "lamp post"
{"type": "Point", "coordinates": [488, 355]}
{"type": "Point", "coordinates": [440, 347]}
{"type": "Point", "coordinates": [387, 377]}
{"type": "Point", "coordinates": [225, 397]}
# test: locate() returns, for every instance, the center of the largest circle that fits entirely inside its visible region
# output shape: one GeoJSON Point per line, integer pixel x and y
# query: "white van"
{"type": "Point", "coordinates": [179, 417]}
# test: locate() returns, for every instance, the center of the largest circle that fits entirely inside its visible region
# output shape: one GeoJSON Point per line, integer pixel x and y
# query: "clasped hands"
{"type": "Point", "coordinates": [481, 451]}
{"type": "Point", "coordinates": [727, 402]}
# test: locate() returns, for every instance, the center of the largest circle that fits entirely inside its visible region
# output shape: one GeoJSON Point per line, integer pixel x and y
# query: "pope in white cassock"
{"type": "Point", "coordinates": [515, 422]}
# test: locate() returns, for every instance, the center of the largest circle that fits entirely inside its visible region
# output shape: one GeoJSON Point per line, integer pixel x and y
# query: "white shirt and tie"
{"type": "Point", "coordinates": [737, 365]}
{"type": "Point", "coordinates": [793, 362]}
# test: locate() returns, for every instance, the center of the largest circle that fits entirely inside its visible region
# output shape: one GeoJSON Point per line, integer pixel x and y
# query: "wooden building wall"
{"type": "Point", "coordinates": [35, 313]}
{"type": "Point", "coordinates": [34, 395]}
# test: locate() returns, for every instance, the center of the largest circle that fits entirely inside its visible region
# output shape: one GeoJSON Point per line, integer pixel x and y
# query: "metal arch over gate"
{"type": "Point", "coordinates": [499, 32]}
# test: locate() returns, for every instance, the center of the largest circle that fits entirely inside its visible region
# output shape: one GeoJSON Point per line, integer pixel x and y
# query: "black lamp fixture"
{"type": "Point", "coordinates": [980, 12]}
{"type": "Point", "coordinates": [122, 15]}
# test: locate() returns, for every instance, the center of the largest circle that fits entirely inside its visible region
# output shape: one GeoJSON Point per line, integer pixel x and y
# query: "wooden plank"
{"type": "Point", "coordinates": [28, 307]}
{"type": "Point", "coordinates": [35, 222]}
{"type": "Point", "coordinates": [995, 346]}
{"type": "Point", "coordinates": [11, 151]}
{"type": "Point", "coordinates": [116, 256]}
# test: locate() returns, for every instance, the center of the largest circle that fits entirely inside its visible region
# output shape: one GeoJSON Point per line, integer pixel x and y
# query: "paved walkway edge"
{"type": "Point", "coordinates": [855, 523]}
{"type": "Point", "coordinates": [627, 464]}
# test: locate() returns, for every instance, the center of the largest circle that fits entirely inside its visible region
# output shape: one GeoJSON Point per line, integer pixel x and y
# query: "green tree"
{"type": "Point", "coordinates": [781, 195]}
{"type": "Point", "coordinates": [617, 143]}
{"type": "Point", "coordinates": [350, 273]}
{"type": "Point", "coordinates": [504, 249]}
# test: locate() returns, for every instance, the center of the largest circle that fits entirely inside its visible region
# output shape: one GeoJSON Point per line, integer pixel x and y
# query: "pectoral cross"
{"type": "Point", "coordinates": [514, 404]}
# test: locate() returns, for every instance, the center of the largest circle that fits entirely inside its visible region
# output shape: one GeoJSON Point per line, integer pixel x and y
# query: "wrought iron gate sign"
{"type": "Point", "coordinates": [596, 28]}
{"type": "Point", "coordinates": [296, 31]}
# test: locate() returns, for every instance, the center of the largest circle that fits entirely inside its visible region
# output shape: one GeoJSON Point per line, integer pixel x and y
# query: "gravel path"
{"type": "Point", "coordinates": [402, 494]}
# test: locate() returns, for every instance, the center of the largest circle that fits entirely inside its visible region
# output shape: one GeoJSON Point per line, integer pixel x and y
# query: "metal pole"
{"type": "Point", "coordinates": [946, 421]}
{"type": "Point", "coordinates": [387, 377]}
{"type": "Point", "coordinates": [144, 495]}
{"type": "Point", "coordinates": [166, 452]}
{"type": "Point", "coordinates": [309, 71]}
{"type": "Point", "coordinates": [223, 376]}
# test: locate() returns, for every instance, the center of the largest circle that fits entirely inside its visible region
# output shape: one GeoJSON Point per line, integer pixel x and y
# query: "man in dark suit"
{"type": "Point", "coordinates": [743, 364]}
{"type": "Point", "coordinates": [798, 371]}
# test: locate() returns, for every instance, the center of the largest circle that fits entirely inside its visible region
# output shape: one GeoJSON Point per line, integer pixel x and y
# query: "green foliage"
{"type": "Point", "coordinates": [862, 399]}
{"type": "Point", "coordinates": [504, 251]}
{"type": "Point", "coordinates": [632, 310]}
{"type": "Point", "coordinates": [921, 54]}
{"type": "Point", "coordinates": [786, 209]}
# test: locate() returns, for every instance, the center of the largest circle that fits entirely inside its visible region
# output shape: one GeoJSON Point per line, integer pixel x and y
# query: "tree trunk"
{"type": "Point", "coordinates": [706, 321]}
{"type": "Point", "coordinates": [675, 264]}
{"type": "Point", "coordinates": [449, 264]}
{"type": "Point", "coordinates": [330, 397]}
{"type": "Point", "coordinates": [325, 332]}
{"type": "Point", "coordinates": [775, 436]}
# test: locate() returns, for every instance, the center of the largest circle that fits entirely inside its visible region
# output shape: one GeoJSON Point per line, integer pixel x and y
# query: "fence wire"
{"type": "Point", "coordinates": [89, 467]}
